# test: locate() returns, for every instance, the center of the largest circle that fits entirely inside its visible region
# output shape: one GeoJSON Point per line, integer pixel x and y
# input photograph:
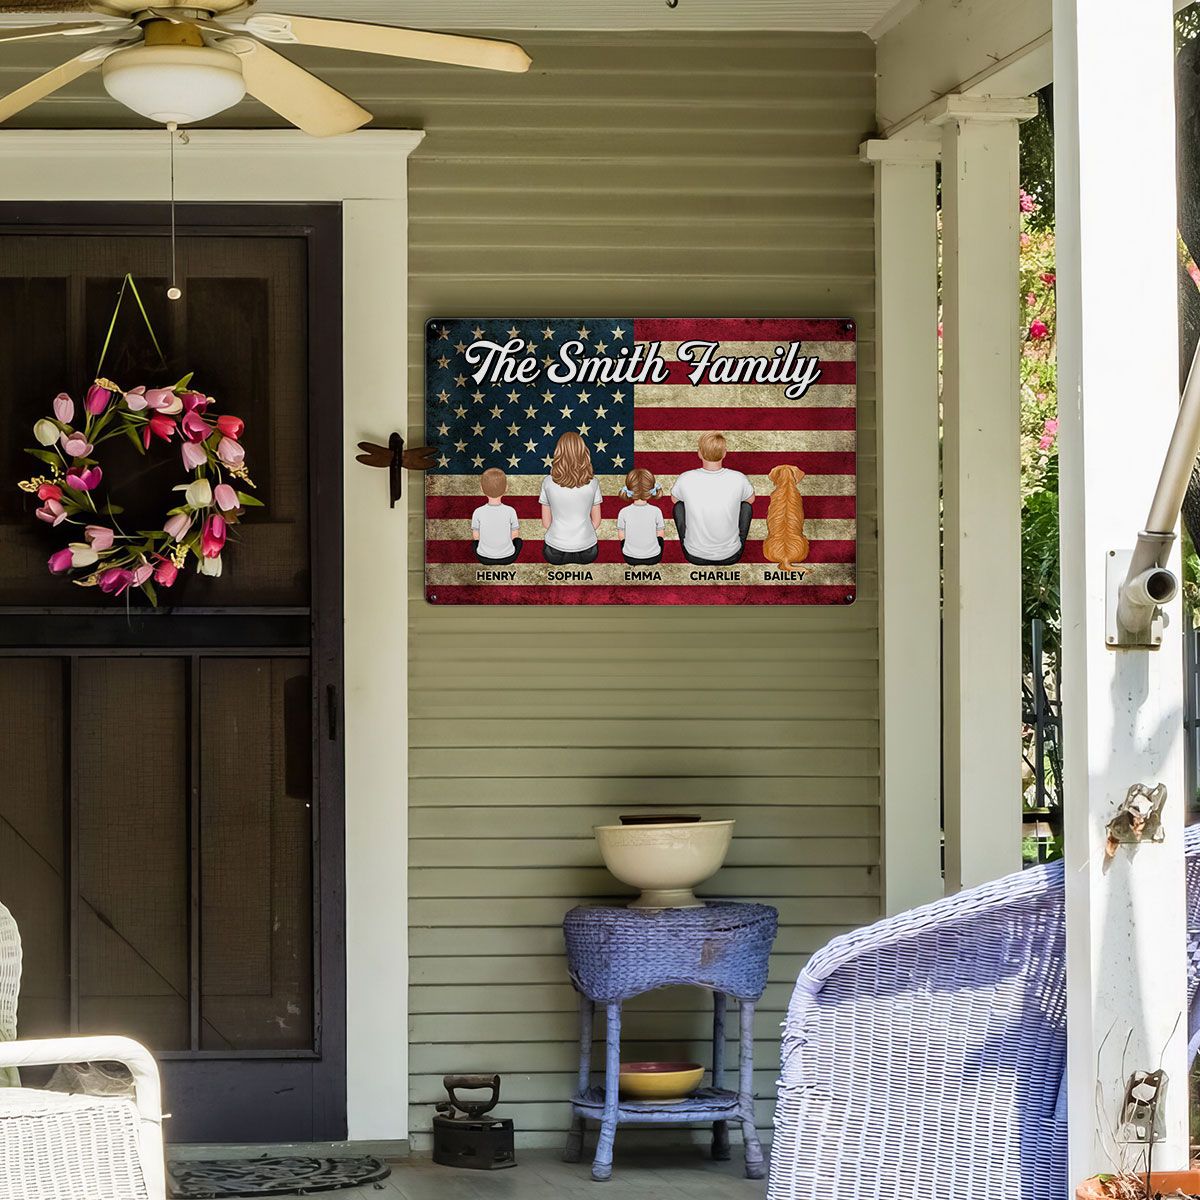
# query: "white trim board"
{"type": "Point", "coordinates": [367, 173]}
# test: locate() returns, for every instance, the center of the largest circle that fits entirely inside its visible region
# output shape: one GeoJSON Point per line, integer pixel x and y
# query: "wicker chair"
{"type": "Point", "coordinates": [55, 1146]}
{"type": "Point", "coordinates": [10, 984]}
{"type": "Point", "coordinates": [925, 1055]}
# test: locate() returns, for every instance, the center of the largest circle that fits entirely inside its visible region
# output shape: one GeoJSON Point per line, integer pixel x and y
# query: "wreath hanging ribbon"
{"type": "Point", "coordinates": [215, 494]}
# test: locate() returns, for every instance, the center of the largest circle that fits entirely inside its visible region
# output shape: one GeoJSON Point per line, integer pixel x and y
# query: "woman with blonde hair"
{"type": "Point", "coordinates": [570, 500]}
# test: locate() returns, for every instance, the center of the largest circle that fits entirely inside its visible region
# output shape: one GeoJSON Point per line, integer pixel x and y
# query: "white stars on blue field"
{"type": "Point", "coordinates": [515, 426]}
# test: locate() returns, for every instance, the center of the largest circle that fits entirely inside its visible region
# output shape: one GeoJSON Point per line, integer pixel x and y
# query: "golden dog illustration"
{"type": "Point", "coordinates": [786, 544]}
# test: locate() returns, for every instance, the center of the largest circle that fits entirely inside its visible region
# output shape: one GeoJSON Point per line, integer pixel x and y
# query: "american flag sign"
{"type": "Point", "coordinates": [640, 393]}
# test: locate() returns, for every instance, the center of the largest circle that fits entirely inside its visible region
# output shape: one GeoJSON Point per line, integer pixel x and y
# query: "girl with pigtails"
{"type": "Point", "coordinates": [640, 524]}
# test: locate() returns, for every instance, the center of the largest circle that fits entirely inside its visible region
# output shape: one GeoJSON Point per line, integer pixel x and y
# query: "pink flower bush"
{"type": "Point", "coordinates": [1049, 432]}
{"type": "Point", "coordinates": [216, 491]}
{"type": "Point", "coordinates": [1027, 203]}
{"type": "Point", "coordinates": [1038, 329]}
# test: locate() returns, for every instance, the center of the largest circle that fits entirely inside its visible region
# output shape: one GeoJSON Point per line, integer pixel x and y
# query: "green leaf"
{"type": "Point", "coordinates": [248, 501]}
{"type": "Point", "coordinates": [148, 588]}
{"type": "Point", "coordinates": [132, 435]}
{"type": "Point", "coordinates": [113, 510]}
{"type": "Point", "coordinates": [182, 384]}
{"type": "Point", "coordinates": [47, 456]}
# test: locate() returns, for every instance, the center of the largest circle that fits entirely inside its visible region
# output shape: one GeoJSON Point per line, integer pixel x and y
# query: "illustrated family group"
{"type": "Point", "coordinates": [712, 507]}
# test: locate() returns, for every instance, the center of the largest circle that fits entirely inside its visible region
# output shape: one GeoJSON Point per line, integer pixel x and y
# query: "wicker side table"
{"type": "Point", "coordinates": [616, 953]}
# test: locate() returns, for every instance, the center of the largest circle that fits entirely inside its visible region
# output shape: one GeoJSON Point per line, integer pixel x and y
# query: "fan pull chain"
{"type": "Point", "coordinates": [173, 292]}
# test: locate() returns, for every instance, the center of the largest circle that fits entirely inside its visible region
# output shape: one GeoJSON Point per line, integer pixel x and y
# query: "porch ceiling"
{"type": "Point", "coordinates": [840, 15]}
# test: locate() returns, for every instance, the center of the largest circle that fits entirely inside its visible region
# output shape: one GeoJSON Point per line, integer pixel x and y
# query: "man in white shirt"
{"type": "Point", "coordinates": [713, 507]}
{"type": "Point", "coordinates": [494, 525]}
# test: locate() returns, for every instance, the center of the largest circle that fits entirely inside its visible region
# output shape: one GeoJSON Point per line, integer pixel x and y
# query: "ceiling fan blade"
{"type": "Point", "coordinates": [44, 85]}
{"type": "Point", "coordinates": [388, 39]}
{"type": "Point", "coordinates": [24, 33]}
{"type": "Point", "coordinates": [293, 92]}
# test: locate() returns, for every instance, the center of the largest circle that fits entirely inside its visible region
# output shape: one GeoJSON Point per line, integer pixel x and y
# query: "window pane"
{"type": "Point", "coordinates": [131, 730]}
{"type": "Point", "coordinates": [32, 883]}
{"type": "Point", "coordinates": [256, 855]}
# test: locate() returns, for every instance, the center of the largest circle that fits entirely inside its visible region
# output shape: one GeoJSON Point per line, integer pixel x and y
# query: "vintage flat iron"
{"type": "Point", "coordinates": [464, 1136]}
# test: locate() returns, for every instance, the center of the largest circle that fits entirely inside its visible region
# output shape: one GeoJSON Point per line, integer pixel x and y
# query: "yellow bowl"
{"type": "Point", "coordinates": [663, 1082]}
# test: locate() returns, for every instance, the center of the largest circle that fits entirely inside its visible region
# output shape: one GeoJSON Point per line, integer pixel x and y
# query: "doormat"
{"type": "Point", "coordinates": [221, 1178]}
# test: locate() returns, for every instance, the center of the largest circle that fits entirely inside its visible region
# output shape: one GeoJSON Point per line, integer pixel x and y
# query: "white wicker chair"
{"type": "Point", "coordinates": [55, 1146]}
{"type": "Point", "coordinates": [10, 984]}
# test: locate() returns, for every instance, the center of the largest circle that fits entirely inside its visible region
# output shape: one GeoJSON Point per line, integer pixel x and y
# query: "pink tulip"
{"type": "Point", "coordinates": [166, 573]}
{"type": "Point", "coordinates": [195, 427]}
{"type": "Point", "coordinates": [76, 445]}
{"type": "Point", "coordinates": [115, 580]}
{"type": "Point", "coordinates": [60, 561]}
{"type": "Point", "coordinates": [98, 537]}
{"type": "Point", "coordinates": [135, 399]}
{"type": "Point", "coordinates": [230, 452]}
{"type": "Point", "coordinates": [231, 426]}
{"type": "Point", "coordinates": [193, 455]}
{"type": "Point", "coordinates": [49, 491]}
{"type": "Point", "coordinates": [195, 400]}
{"type": "Point", "coordinates": [177, 526]}
{"type": "Point", "coordinates": [97, 399]}
{"type": "Point", "coordinates": [85, 481]}
{"type": "Point", "coordinates": [52, 513]}
{"type": "Point", "coordinates": [157, 398]}
{"type": "Point", "coordinates": [64, 408]}
{"type": "Point", "coordinates": [225, 497]}
{"type": "Point", "coordinates": [141, 573]}
{"type": "Point", "coordinates": [161, 427]}
{"type": "Point", "coordinates": [212, 537]}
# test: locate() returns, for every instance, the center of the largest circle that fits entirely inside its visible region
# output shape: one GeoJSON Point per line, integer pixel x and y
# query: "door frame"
{"type": "Point", "coordinates": [366, 173]}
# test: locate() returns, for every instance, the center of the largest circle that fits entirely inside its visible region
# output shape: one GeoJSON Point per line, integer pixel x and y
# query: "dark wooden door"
{"type": "Point", "coordinates": [171, 824]}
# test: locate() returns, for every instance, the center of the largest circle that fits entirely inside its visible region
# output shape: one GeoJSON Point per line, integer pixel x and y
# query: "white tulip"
{"type": "Point", "coordinates": [45, 431]}
{"type": "Point", "coordinates": [82, 555]}
{"type": "Point", "coordinates": [172, 406]}
{"type": "Point", "coordinates": [198, 494]}
{"type": "Point", "coordinates": [210, 566]}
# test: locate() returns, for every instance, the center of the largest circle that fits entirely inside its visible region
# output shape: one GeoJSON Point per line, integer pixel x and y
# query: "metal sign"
{"type": "Point", "coordinates": [640, 461]}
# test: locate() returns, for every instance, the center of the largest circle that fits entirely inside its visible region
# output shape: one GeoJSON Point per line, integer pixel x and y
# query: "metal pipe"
{"type": "Point", "coordinates": [1149, 584]}
{"type": "Point", "coordinates": [1181, 457]}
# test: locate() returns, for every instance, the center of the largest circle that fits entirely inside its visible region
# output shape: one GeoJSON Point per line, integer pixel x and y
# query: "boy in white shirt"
{"type": "Point", "coordinates": [640, 524]}
{"type": "Point", "coordinates": [494, 525]}
{"type": "Point", "coordinates": [713, 507]}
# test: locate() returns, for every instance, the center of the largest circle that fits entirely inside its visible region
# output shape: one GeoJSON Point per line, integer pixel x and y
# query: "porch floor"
{"type": "Point", "coordinates": [675, 1173]}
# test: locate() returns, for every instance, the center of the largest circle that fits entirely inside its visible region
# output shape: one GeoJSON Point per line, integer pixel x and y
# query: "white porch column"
{"type": "Point", "coordinates": [981, 488]}
{"type": "Point", "coordinates": [910, 521]}
{"type": "Point", "coordinates": [1122, 710]}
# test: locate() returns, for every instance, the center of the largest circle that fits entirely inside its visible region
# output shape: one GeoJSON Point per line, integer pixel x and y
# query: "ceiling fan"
{"type": "Point", "coordinates": [177, 64]}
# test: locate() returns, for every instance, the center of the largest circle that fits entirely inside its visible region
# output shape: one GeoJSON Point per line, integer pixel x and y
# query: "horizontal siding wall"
{"type": "Point", "coordinates": [637, 175]}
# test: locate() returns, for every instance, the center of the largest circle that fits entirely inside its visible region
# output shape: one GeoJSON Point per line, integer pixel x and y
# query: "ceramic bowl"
{"type": "Point", "coordinates": [665, 861]}
{"type": "Point", "coordinates": [662, 1082]}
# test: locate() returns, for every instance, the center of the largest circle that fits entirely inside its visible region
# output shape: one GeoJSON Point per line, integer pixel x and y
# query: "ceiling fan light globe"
{"type": "Point", "coordinates": [183, 84]}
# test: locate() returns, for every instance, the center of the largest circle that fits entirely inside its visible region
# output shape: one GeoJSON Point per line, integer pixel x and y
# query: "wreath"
{"type": "Point", "coordinates": [214, 497]}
